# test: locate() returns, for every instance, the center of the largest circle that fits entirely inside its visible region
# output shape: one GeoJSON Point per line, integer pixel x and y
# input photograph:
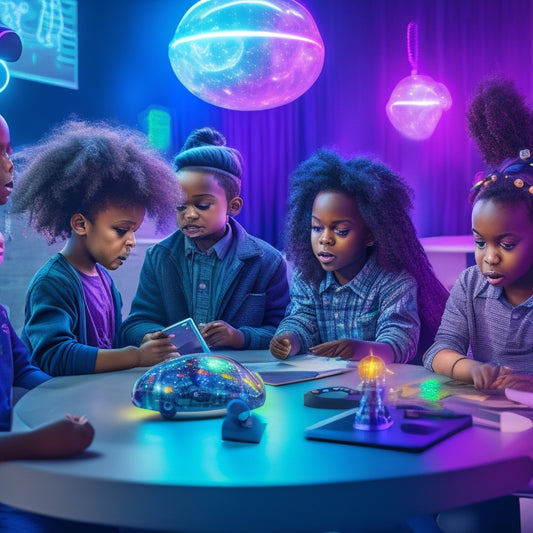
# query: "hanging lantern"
{"type": "Point", "coordinates": [417, 102]}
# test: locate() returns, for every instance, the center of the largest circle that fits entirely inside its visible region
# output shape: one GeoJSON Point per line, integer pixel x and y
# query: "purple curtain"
{"type": "Point", "coordinates": [460, 41]}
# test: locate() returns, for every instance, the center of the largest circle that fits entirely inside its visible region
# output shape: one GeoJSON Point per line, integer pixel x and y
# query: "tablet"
{"type": "Point", "coordinates": [405, 434]}
{"type": "Point", "coordinates": [187, 339]}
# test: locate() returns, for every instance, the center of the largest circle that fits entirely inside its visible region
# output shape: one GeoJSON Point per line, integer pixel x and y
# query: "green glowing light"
{"type": "Point", "coordinates": [430, 390]}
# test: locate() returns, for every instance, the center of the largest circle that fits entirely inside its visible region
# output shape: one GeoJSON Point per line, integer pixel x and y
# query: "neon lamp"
{"type": "Point", "coordinates": [247, 54]}
{"type": "Point", "coordinates": [4, 77]}
{"type": "Point", "coordinates": [416, 103]}
{"type": "Point", "coordinates": [372, 412]}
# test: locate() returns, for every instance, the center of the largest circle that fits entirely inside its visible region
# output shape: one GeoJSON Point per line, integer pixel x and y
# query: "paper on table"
{"type": "Point", "coordinates": [299, 362]}
{"type": "Point", "coordinates": [298, 368]}
{"type": "Point", "coordinates": [444, 387]}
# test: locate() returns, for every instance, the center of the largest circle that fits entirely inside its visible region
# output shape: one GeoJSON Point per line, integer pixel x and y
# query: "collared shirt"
{"type": "Point", "coordinates": [206, 271]}
{"type": "Point", "coordinates": [479, 321]}
{"type": "Point", "coordinates": [377, 305]}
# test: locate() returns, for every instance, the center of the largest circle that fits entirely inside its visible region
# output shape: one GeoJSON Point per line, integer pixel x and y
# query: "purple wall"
{"type": "Point", "coordinates": [124, 68]}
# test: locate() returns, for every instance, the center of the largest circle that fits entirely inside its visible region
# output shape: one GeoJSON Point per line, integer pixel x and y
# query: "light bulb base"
{"type": "Point", "coordinates": [372, 413]}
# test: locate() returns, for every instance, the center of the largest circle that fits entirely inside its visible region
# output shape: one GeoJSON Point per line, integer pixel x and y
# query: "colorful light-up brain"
{"type": "Point", "coordinates": [197, 385]}
{"type": "Point", "coordinates": [247, 55]}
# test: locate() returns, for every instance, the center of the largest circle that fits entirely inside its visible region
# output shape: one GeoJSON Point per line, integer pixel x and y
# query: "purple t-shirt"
{"type": "Point", "coordinates": [99, 309]}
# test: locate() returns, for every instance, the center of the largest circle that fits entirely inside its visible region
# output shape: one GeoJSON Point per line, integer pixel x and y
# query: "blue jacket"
{"type": "Point", "coordinates": [15, 369]}
{"type": "Point", "coordinates": [255, 290]}
{"type": "Point", "coordinates": [55, 320]}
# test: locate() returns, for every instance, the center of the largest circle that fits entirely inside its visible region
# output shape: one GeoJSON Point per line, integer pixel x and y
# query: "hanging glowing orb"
{"type": "Point", "coordinates": [416, 105]}
{"type": "Point", "coordinates": [247, 55]}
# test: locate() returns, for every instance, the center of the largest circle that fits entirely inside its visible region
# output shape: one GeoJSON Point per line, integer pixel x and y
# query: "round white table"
{"type": "Point", "coordinates": [146, 472]}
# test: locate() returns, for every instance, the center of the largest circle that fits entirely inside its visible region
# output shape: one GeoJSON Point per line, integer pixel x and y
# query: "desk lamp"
{"type": "Point", "coordinates": [372, 412]}
{"type": "Point", "coordinates": [10, 50]}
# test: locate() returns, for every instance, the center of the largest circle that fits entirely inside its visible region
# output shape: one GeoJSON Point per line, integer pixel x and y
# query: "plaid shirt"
{"type": "Point", "coordinates": [207, 270]}
{"type": "Point", "coordinates": [377, 305]}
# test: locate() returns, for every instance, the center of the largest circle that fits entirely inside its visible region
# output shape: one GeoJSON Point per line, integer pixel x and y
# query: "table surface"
{"type": "Point", "coordinates": [145, 472]}
{"type": "Point", "coordinates": [449, 243]}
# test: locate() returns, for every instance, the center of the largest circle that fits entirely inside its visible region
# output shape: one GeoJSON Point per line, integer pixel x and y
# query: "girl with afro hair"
{"type": "Point", "coordinates": [362, 281]}
{"type": "Point", "coordinates": [89, 184]}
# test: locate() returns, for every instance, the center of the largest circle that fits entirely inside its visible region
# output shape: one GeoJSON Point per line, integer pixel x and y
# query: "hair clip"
{"type": "Point", "coordinates": [520, 166]}
{"type": "Point", "coordinates": [524, 154]}
{"type": "Point", "coordinates": [484, 182]}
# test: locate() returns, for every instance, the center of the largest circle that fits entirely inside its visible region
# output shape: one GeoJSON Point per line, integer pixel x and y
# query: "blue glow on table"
{"type": "Point", "coordinates": [247, 55]}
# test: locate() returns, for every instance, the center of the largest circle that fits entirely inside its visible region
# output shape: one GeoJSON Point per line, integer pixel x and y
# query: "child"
{"type": "Point", "coordinates": [15, 367]}
{"type": "Point", "coordinates": [91, 185]}
{"type": "Point", "coordinates": [362, 278]}
{"type": "Point", "coordinates": [6, 166]}
{"type": "Point", "coordinates": [486, 336]}
{"type": "Point", "coordinates": [61, 439]}
{"type": "Point", "coordinates": [234, 286]}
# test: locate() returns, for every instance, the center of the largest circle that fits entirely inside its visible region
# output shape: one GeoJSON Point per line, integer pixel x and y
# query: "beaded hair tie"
{"type": "Point", "coordinates": [522, 165]}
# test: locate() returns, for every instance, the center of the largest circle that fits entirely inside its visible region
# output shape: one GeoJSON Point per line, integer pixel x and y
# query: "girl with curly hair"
{"type": "Point", "coordinates": [91, 185]}
{"type": "Point", "coordinates": [362, 281]}
{"type": "Point", "coordinates": [486, 335]}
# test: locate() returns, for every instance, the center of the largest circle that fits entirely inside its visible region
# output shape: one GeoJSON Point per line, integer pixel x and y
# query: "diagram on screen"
{"type": "Point", "coordinates": [49, 33]}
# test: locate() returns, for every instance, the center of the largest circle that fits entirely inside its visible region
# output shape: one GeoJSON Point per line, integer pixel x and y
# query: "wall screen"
{"type": "Point", "coordinates": [49, 33]}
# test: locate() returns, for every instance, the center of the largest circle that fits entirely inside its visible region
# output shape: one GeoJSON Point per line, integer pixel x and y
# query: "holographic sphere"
{"type": "Point", "coordinates": [416, 105]}
{"type": "Point", "coordinates": [247, 54]}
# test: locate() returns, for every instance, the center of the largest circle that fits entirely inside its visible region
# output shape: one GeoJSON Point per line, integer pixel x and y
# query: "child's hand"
{"type": "Point", "coordinates": [345, 349]}
{"type": "Point", "coordinates": [156, 349]}
{"type": "Point", "coordinates": [486, 376]}
{"type": "Point", "coordinates": [155, 335]}
{"type": "Point", "coordinates": [514, 381]}
{"type": "Point", "coordinates": [63, 438]}
{"type": "Point", "coordinates": [219, 333]}
{"type": "Point", "coordinates": [284, 345]}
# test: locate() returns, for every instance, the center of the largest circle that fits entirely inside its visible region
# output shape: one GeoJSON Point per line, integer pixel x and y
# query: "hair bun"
{"type": "Point", "coordinates": [499, 120]}
{"type": "Point", "coordinates": [206, 148]}
{"type": "Point", "coordinates": [204, 137]}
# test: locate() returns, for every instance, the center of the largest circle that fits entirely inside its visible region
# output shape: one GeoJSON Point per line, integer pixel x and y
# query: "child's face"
{"type": "Point", "coordinates": [339, 236]}
{"type": "Point", "coordinates": [504, 246]}
{"type": "Point", "coordinates": [6, 166]}
{"type": "Point", "coordinates": [203, 215]}
{"type": "Point", "coordinates": [110, 236]}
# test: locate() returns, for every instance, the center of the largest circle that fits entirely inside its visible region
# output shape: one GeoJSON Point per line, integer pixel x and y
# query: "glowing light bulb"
{"type": "Point", "coordinates": [247, 54]}
{"type": "Point", "coordinates": [372, 413]}
{"type": "Point", "coordinates": [416, 105]}
{"type": "Point", "coordinates": [417, 102]}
